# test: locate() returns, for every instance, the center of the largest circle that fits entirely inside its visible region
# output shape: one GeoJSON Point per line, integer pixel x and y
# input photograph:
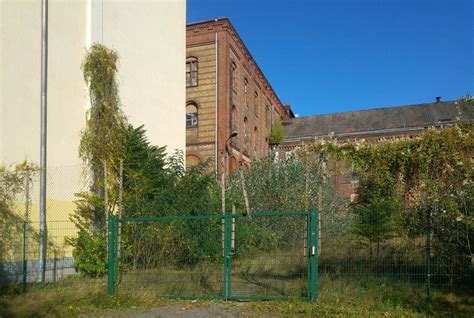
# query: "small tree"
{"type": "Point", "coordinates": [375, 221]}
{"type": "Point", "coordinates": [277, 132]}
{"type": "Point", "coordinates": [102, 141]}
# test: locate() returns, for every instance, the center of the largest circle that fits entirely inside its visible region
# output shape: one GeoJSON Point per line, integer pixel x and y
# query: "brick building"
{"type": "Point", "coordinates": [376, 124]}
{"type": "Point", "coordinates": [226, 91]}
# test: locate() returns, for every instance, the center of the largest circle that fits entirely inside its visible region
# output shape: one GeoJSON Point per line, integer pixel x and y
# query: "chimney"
{"type": "Point", "coordinates": [438, 99]}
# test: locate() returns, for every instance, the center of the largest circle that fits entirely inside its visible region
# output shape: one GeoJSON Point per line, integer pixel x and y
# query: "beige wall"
{"type": "Point", "coordinates": [150, 39]}
{"type": "Point", "coordinates": [20, 31]}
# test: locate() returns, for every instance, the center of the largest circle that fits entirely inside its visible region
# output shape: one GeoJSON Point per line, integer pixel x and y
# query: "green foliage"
{"type": "Point", "coordinates": [90, 253]}
{"type": "Point", "coordinates": [376, 221]}
{"type": "Point", "coordinates": [465, 107]}
{"type": "Point", "coordinates": [156, 185]}
{"type": "Point", "coordinates": [12, 189]}
{"type": "Point", "coordinates": [145, 177]}
{"type": "Point", "coordinates": [296, 183]}
{"type": "Point", "coordinates": [197, 191]}
{"type": "Point", "coordinates": [277, 132]}
{"type": "Point", "coordinates": [178, 192]}
{"type": "Point", "coordinates": [431, 174]}
{"type": "Point", "coordinates": [13, 183]}
{"type": "Point", "coordinates": [102, 141]}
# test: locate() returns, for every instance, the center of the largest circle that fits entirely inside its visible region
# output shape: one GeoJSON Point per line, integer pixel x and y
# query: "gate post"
{"type": "Point", "coordinates": [314, 281]}
{"type": "Point", "coordinates": [111, 253]}
{"type": "Point", "coordinates": [227, 255]}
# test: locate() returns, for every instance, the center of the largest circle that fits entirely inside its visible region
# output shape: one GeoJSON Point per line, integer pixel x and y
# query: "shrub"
{"type": "Point", "coordinates": [90, 253]}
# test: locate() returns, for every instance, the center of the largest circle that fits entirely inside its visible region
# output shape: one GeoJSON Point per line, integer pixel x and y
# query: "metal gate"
{"type": "Point", "coordinates": [268, 255]}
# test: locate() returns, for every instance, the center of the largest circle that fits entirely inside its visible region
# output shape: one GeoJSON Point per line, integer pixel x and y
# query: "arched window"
{"type": "Point", "coordinates": [246, 140]}
{"type": "Point", "coordinates": [192, 160]}
{"type": "Point", "coordinates": [246, 90]}
{"type": "Point", "coordinates": [233, 118]}
{"type": "Point", "coordinates": [233, 165]}
{"type": "Point", "coordinates": [191, 72]}
{"type": "Point", "coordinates": [246, 129]}
{"type": "Point", "coordinates": [267, 116]}
{"type": "Point", "coordinates": [255, 141]}
{"type": "Point", "coordinates": [255, 103]}
{"type": "Point", "coordinates": [233, 76]}
{"type": "Point", "coordinates": [191, 115]}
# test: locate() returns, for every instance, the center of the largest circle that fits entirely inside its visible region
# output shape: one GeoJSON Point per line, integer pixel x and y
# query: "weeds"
{"type": "Point", "coordinates": [343, 297]}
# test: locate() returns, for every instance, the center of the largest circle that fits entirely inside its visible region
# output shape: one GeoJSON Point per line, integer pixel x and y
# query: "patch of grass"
{"type": "Point", "coordinates": [339, 297]}
{"type": "Point", "coordinates": [69, 297]}
{"type": "Point", "coordinates": [374, 297]}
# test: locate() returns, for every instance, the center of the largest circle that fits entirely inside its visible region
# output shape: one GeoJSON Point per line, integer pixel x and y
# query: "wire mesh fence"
{"type": "Point", "coordinates": [267, 256]}
{"type": "Point", "coordinates": [177, 257]}
{"type": "Point", "coordinates": [19, 262]}
{"type": "Point", "coordinates": [378, 259]}
{"type": "Point", "coordinates": [20, 223]}
{"type": "Point", "coordinates": [218, 256]}
{"type": "Point", "coordinates": [271, 256]}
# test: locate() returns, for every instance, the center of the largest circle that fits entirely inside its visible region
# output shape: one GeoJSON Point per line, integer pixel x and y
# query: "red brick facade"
{"type": "Point", "coordinates": [231, 94]}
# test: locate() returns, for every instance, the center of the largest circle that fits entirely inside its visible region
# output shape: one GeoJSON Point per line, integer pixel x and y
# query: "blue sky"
{"type": "Point", "coordinates": [325, 56]}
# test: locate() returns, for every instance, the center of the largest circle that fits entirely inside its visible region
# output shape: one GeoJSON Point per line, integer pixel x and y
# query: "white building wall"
{"type": "Point", "coordinates": [149, 36]}
{"type": "Point", "coordinates": [150, 39]}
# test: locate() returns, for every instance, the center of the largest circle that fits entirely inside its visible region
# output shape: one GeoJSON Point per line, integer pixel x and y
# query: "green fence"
{"type": "Point", "coordinates": [19, 252]}
{"type": "Point", "coordinates": [264, 256]}
{"type": "Point", "coordinates": [372, 257]}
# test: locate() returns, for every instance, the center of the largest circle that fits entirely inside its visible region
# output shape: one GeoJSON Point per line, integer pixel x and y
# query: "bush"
{"type": "Point", "coordinates": [90, 253]}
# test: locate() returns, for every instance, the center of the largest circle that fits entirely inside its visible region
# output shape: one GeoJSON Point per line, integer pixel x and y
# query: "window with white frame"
{"type": "Point", "coordinates": [191, 115]}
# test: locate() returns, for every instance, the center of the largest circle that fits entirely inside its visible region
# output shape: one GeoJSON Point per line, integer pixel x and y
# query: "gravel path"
{"type": "Point", "coordinates": [185, 310]}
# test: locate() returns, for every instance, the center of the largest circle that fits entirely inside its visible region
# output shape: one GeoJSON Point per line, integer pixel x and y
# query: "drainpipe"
{"type": "Point", "coordinates": [43, 140]}
{"type": "Point", "coordinates": [215, 129]}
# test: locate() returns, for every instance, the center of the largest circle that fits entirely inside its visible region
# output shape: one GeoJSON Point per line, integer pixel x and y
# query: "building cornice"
{"type": "Point", "coordinates": [358, 134]}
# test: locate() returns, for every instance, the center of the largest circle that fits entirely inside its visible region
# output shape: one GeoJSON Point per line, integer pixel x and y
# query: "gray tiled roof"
{"type": "Point", "coordinates": [372, 121]}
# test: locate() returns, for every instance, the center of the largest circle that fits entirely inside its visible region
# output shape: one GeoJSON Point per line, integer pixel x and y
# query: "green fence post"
{"type": "Point", "coordinates": [314, 256]}
{"type": "Point", "coordinates": [227, 256]}
{"type": "Point", "coordinates": [308, 254]}
{"type": "Point", "coordinates": [428, 263]}
{"type": "Point", "coordinates": [25, 255]}
{"type": "Point", "coordinates": [111, 255]}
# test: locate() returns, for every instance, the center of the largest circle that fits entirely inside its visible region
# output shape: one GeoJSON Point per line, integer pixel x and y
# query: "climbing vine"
{"type": "Point", "coordinates": [102, 141]}
{"type": "Point", "coordinates": [415, 186]}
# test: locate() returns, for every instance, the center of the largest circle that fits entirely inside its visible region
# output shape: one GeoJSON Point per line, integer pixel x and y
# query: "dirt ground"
{"type": "Point", "coordinates": [194, 310]}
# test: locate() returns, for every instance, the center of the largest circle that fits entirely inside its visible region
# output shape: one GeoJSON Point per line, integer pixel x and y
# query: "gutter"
{"type": "Point", "coordinates": [365, 132]}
